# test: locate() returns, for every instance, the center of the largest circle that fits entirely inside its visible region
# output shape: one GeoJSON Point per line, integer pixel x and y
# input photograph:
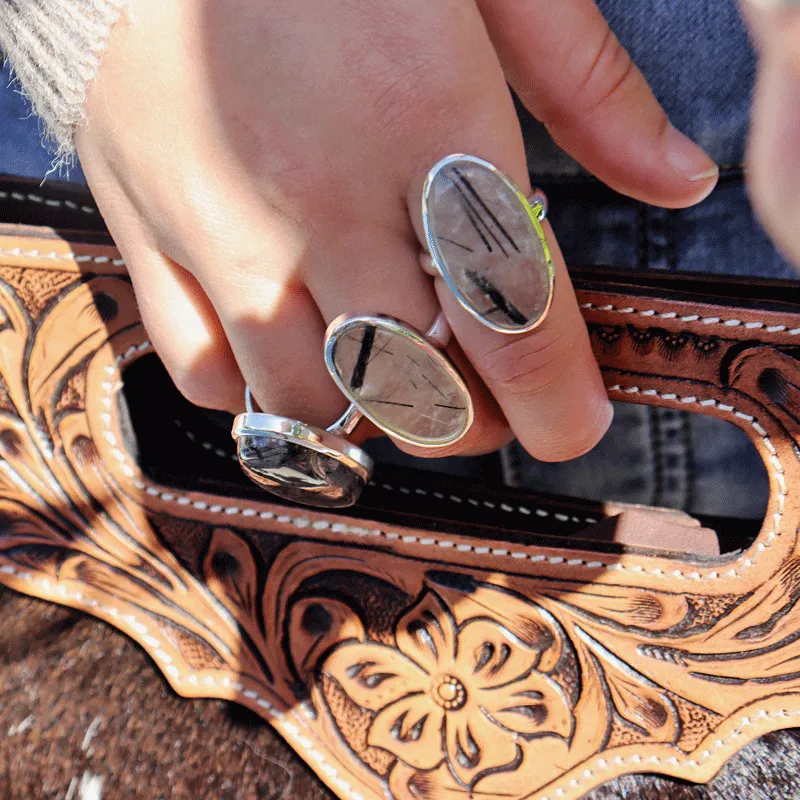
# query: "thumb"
{"type": "Point", "coordinates": [572, 74]}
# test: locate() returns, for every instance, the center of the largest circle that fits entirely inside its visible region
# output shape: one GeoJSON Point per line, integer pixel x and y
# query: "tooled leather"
{"type": "Point", "coordinates": [400, 660]}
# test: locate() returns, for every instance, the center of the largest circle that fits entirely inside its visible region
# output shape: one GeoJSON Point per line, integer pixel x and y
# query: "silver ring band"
{"type": "Point", "coordinates": [306, 464]}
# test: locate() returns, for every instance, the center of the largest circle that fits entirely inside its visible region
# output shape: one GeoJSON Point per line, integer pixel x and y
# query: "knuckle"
{"type": "Point", "coordinates": [208, 386]}
{"type": "Point", "coordinates": [608, 75]}
{"type": "Point", "coordinates": [409, 104]}
{"type": "Point", "coordinates": [524, 367]}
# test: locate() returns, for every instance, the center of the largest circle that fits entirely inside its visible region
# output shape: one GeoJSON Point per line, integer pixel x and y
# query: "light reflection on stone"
{"type": "Point", "coordinates": [298, 473]}
{"type": "Point", "coordinates": [405, 386]}
{"type": "Point", "coordinates": [484, 238]}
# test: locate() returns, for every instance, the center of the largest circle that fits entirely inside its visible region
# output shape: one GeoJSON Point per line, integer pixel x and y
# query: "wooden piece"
{"type": "Point", "coordinates": [407, 662]}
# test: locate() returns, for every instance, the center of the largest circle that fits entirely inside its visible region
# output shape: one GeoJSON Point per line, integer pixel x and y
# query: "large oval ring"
{"type": "Point", "coordinates": [399, 379]}
{"type": "Point", "coordinates": [486, 240]}
{"type": "Point", "coordinates": [300, 462]}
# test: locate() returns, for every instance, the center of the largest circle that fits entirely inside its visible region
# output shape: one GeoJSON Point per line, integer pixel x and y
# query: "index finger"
{"type": "Point", "coordinates": [573, 74]}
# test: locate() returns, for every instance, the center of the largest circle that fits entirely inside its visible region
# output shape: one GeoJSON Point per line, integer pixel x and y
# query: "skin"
{"type": "Point", "coordinates": [774, 151]}
{"type": "Point", "coordinates": [259, 166]}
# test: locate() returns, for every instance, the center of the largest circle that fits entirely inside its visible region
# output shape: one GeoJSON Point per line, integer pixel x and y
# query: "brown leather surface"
{"type": "Point", "coordinates": [411, 655]}
{"type": "Point", "coordinates": [654, 529]}
{"type": "Point", "coordinates": [81, 702]}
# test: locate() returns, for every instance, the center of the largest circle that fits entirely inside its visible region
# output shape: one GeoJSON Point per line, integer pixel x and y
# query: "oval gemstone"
{"type": "Point", "coordinates": [399, 380]}
{"type": "Point", "coordinates": [487, 242]}
{"type": "Point", "coordinates": [298, 473]}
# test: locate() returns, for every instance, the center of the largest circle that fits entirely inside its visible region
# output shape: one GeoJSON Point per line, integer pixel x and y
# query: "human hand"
{"type": "Point", "coordinates": [774, 148]}
{"type": "Point", "coordinates": [259, 167]}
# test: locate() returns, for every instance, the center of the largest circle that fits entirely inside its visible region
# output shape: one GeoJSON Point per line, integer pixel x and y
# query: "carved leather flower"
{"type": "Point", "coordinates": [468, 694]}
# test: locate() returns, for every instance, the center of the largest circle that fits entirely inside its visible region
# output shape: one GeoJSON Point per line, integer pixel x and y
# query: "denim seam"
{"type": "Point", "coordinates": [674, 456]}
{"type": "Point", "coordinates": [688, 443]}
{"type": "Point", "coordinates": [656, 459]}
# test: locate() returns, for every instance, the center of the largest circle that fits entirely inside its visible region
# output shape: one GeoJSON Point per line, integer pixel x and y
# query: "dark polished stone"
{"type": "Point", "coordinates": [298, 473]}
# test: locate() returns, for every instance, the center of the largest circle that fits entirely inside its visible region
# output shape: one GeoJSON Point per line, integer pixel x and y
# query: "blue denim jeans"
{"type": "Point", "coordinates": [21, 150]}
{"type": "Point", "coordinates": [697, 58]}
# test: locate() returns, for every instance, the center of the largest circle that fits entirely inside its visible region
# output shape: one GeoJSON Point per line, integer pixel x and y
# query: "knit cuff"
{"type": "Point", "coordinates": [55, 47]}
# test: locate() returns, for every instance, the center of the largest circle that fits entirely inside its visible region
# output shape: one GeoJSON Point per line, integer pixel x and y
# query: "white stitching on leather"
{"type": "Point", "coordinates": [603, 764]}
{"type": "Point", "coordinates": [53, 256]}
{"type": "Point", "coordinates": [212, 448]}
{"type": "Point", "coordinates": [350, 530]}
{"type": "Point", "coordinates": [140, 632]}
{"type": "Point", "coordinates": [47, 201]}
{"type": "Point", "coordinates": [540, 512]}
{"type": "Point", "coordinates": [292, 731]}
{"type": "Point", "coordinates": [780, 474]}
{"type": "Point", "coordinates": [729, 323]}
{"type": "Point", "coordinates": [218, 451]}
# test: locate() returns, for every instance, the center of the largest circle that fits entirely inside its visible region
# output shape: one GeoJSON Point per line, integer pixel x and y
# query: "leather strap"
{"type": "Point", "coordinates": [409, 656]}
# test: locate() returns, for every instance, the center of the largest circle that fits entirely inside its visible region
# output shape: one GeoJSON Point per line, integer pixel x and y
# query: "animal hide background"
{"type": "Point", "coordinates": [84, 714]}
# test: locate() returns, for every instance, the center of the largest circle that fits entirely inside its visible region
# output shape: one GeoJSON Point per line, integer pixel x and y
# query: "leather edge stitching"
{"type": "Point", "coordinates": [728, 323]}
{"type": "Point", "coordinates": [338, 527]}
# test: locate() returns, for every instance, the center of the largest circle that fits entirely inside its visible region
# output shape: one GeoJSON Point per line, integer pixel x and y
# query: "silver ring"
{"type": "Point", "coordinates": [300, 462]}
{"type": "Point", "coordinates": [486, 241]}
{"type": "Point", "coordinates": [539, 203]}
{"type": "Point", "coordinates": [397, 378]}
{"type": "Point", "coordinates": [344, 426]}
{"type": "Point", "coordinates": [320, 467]}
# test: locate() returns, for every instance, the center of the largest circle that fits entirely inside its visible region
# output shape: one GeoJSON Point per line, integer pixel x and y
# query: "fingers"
{"type": "Point", "coordinates": [373, 271]}
{"type": "Point", "coordinates": [185, 332]}
{"type": "Point", "coordinates": [773, 157]}
{"type": "Point", "coordinates": [572, 73]}
{"type": "Point", "coordinates": [526, 340]}
{"type": "Point", "coordinates": [377, 272]}
{"type": "Point", "coordinates": [181, 323]}
{"type": "Point", "coordinates": [299, 169]}
{"type": "Point", "coordinates": [276, 334]}
{"type": "Point", "coordinates": [546, 382]}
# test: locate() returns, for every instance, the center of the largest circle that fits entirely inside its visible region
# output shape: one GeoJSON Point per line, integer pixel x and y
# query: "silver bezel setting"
{"type": "Point", "coordinates": [308, 436]}
{"type": "Point", "coordinates": [536, 213]}
{"type": "Point", "coordinates": [346, 322]}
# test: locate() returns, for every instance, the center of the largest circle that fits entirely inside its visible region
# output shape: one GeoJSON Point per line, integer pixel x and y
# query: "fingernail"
{"type": "Point", "coordinates": [687, 159]}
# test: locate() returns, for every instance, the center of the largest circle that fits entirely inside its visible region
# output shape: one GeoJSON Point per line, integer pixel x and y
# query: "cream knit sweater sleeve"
{"type": "Point", "coordinates": [55, 47]}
